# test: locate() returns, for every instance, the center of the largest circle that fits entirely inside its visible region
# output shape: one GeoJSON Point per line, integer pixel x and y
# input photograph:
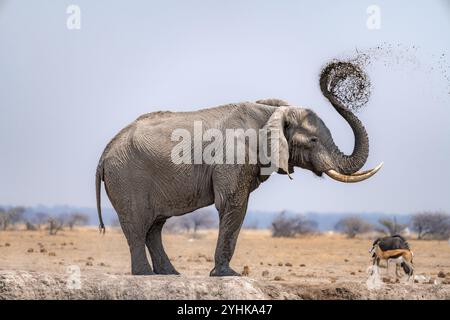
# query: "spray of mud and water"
{"type": "Point", "coordinates": [347, 80]}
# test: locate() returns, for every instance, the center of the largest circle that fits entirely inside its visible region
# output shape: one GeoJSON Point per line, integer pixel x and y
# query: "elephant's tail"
{"type": "Point", "coordinates": [98, 186]}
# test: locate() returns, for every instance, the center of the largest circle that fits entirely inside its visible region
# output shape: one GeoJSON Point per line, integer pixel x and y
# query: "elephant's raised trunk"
{"type": "Point", "coordinates": [347, 164]}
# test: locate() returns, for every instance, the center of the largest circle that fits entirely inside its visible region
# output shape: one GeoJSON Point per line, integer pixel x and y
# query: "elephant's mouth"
{"type": "Point", "coordinates": [310, 166]}
{"type": "Point", "coordinates": [317, 173]}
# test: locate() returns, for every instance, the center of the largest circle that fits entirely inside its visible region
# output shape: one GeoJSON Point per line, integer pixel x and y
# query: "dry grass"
{"type": "Point", "coordinates": [312, 259]}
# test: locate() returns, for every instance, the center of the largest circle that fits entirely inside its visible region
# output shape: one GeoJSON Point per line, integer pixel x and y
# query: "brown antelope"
{"type": "Point", "coordinates": [402, 257]}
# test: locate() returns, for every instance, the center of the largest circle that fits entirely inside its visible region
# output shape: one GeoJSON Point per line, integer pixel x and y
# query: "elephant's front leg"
{"type": "Point", "coordinates": [231, 218]}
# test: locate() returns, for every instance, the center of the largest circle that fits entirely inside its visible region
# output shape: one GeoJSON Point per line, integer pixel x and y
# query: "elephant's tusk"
{"type": "Point", "coordinates": [356, 177]}
{"type": "Point", "coordinates": [367, 171]}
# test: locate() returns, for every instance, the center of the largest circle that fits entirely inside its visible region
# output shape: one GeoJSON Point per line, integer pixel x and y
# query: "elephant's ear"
{"type": "Point", "coordinates": [276, 141]}
{"type": "Point", "coordinates": [273, 102]}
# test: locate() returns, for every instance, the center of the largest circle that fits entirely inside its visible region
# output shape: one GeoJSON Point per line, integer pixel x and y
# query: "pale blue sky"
{"type": "Point", "coordinates": [64, 94]}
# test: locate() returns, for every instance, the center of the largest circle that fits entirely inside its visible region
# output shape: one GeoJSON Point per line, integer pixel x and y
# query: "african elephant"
{"type": "Point", "coordinates": [146, 187]}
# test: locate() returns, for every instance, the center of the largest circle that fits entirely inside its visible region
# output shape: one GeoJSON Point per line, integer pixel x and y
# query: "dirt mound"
{"type": "Point", "coordinates": [40, 285]}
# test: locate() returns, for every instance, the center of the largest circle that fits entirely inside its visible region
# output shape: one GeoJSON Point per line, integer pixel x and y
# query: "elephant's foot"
{"type": "Point", "coordinates": [223, 271]}
{"type": "Point", "coordinates": [142, 273]}
{"type": "Point", "coordinates": [166, 270]}
{"type": "Point", "coordinates": [139, 262]}
{"type": "Point", "coordinates": [142, 270]}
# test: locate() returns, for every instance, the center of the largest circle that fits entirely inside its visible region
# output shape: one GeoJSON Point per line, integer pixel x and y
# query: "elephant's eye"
{"type": "Point", "coordinates": [313, 139]}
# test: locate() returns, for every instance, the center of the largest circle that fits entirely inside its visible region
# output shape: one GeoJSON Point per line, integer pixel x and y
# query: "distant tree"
{"type": "Point", "coordinates": [201, 219]}
{"type": "Point", "coordinates": [391, 226]}
{"type": "Point", "coordinates": [17, 214]}
{"type": "Point", "coordinates": [56, 224]}
{"type": "Point", "coordinates": [183, 223]}
{"type": "Point", "coordinates": [191, 222]}
{"type": "Point", "coordinates": [433, 225]}
{"type": "Point", "coordinates": [76, 218]}
{"type": "Point", "coordinates": [40, 218]}
{"type": "Point", "coordinates": [284, 226]}
{"type": "Point", "coordinates": [3, 219]}
{"type": "Point", "coordinates": [30, 226]}
{"type": "Point", "coordinates": [11, 216]}
{"type": "Point", "coordinates": [352, 226]}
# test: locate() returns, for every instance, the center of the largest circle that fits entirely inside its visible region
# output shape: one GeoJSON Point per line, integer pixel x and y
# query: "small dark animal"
{"type": "Point", "coordinates": [391, 243]}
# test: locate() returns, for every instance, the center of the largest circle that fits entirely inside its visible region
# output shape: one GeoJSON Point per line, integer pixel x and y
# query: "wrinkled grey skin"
{"type": "Point", "coordinates": [146, 187]}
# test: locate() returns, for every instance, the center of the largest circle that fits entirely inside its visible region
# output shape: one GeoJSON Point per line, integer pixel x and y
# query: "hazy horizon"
{"type": "Point", "coordinates": [65, 93]}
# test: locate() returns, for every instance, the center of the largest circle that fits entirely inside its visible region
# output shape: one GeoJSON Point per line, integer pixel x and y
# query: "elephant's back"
{"type": "Point", "coordinates": [150, 135]}
{"type": "Point", "coordinates": [138, 163]}
{"type": "Point", "coordinates": [134, 134]}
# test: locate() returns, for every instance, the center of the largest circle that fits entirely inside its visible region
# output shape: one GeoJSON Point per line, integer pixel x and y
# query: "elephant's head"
{"type": "Point", "coordinates": [307, 143]}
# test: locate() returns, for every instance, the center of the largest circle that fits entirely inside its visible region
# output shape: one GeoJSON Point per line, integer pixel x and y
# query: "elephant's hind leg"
{"type": "Point", "coordinates": [136, 241]}
{"type": "Point", "coordinates": [161, 263]}
{"type": "Point", "coordinates": [130, 203]}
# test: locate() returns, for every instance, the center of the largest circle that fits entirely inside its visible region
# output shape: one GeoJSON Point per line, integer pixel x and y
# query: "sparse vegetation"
{"type": "Point", "coordinates": [284, 226]}
{"type": "Point", "coordinates": [352, 226]}
{"type": "Point", "coordinates": [302, 262]}
{"type": "Point", "coordinates": [192, 222]}
{"type": "Point", "coordinates": [10, 217]}
{"type": "Point", "coordinates": [40, 218]}
{"type": "Point", "coordinates": [201, 219]}
{"type": "Point", "coordinates": [55, 224]}
{"type": "Point", "coordinates": [17, 218]}
{"type": "Point", "coordinates": [77, 218]}
{"type": "Point", "coordinates": [391, 227]}
{"type": "Point", "coordinates": [29, 226]}
{"type": "Point", "coordinates": [431, 225]}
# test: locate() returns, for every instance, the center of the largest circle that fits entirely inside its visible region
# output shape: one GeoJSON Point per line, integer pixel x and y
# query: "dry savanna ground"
{"type": "Point", "coordinates": [322, 262]}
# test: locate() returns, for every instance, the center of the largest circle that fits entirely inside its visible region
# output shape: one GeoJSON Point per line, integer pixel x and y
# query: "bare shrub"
{"type": "Point", "coordinates": [201, 219]}
{"type": "Point", "coordinates": [56, 224]}
{"type": "Point", "coordinates": [10, 217]}
{"type": "Point", "coordinates": [77, 218]}
{"type": "Point", "coordinates": [40, 218]}
{"type": "Point", "coordinates": [182, 223]}
{"type": "Point", "coordinates": [352, 226]}
{"type": "Point", "coordinates": [431, 225]}
{"type": "Point", "coordinates": [391, 227]}
{"type": "Point", "coordinates": [284, 226]}
{"type": "Point", "coordinates": [3, 219]}
{"type": "Point", "coordinates": [30, 226]}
